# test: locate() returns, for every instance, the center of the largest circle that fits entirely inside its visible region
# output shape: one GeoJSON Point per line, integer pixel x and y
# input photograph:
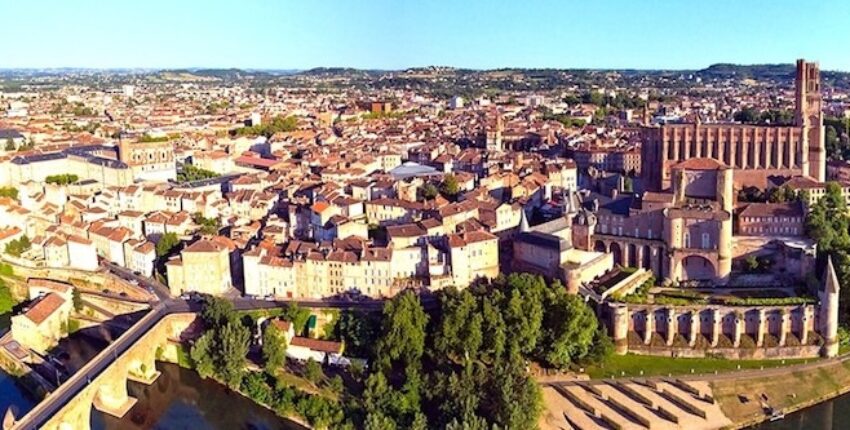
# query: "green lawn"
{"type": "Point", "coordinates": [631, 365]}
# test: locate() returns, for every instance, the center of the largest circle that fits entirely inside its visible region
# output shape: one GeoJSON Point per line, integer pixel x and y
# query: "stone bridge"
{"type": "Point", "coordinates": [102, 383]}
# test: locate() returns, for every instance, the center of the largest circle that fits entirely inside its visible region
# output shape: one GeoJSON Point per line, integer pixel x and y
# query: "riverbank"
{"type": "Point", "coordinates": [743, 400]}
{"type": "Point", "coordinates": [179, 355]}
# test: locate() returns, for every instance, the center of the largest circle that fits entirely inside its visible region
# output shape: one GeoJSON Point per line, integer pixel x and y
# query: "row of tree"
{"type": "Point", "coordinates": [461, 365]}
{"type": "Point", "coordinates": [465, 365]}
{"type": "Point", "coordinates": [277, 124]}
{"type": "Point", "coordinates": [829, 225]}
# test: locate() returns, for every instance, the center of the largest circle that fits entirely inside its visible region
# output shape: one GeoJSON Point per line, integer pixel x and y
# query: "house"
{"type": "Point", "coordinates": [44, 321]}
{"type": "Point", "coordinates": [202, 267]}
{"type": "Point", "coordinates": [305, 348]}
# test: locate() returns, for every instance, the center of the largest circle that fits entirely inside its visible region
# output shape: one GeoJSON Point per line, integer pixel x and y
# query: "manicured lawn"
{"type": "Point", "coordinates": [631, 365]}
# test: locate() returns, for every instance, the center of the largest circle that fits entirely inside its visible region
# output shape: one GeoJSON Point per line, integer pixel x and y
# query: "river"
{"type": "Point", "coordinates": [178, 399]}
{"type": "Point", "coordinates": [830, 415]}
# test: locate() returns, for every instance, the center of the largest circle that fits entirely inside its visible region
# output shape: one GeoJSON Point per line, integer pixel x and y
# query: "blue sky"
{"type": "Point", "coordinates": [397, 34]}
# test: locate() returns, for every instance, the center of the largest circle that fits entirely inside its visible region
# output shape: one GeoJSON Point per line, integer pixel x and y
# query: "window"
{"type": "Point", "coordinates": [706, 241]}
{"type": "Point", "coordinates": [687, 240]}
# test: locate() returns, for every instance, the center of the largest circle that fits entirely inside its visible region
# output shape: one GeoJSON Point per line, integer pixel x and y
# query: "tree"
{"type": "Point", "coordinates": [429, 191]}
{"type": "Point", "coordinates": [403, 338]}
{"type": "Point", "coordinates": [459, 332]}
{"type": "Point", "coordinates": [569, 326]}
{"type": "Point", "coordinates": [217, 312]}
{"type": "Point", "coordinates": [202, 355]}
{"type": "Point", "coordinates": [399, 359]}
{"type": "Point", "coordinates": [359, 331]}
{"type": "Point", "coordinates": [17, 247]}
{"type": "Point", "coordinates": [512, 399]}
{"type": "Point", "coordinates": [10, 192]}
{"type": "Point", "coordinates": [827, 222]}
{"type": "Point", "coordinates": [747, 115]}
{"type": "Point", "coordinates": [450, 186]}
{"type": "Point", "coordinates": [167, 243]}
{"type": "Point", "coordinates": [62, 179]}
{"type": "Point", "coordinates": [190, 173]}
{"type": "Point", "coordinates": [209, 226]}
{"type": "Point", "coordinates": [274, 348]}
{"type": "Point", "coordinates": [313, 371]}
{"type": "Point", "coordinates": [233, 344]}
{"type": "Point", "coordinates": [10, 144]}
{"type": "Point", "coordinates": [523, 312]}
{"type": "Point", "coordinates": [76, 299]}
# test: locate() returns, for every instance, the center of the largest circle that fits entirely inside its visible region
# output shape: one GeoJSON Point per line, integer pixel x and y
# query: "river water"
{"type": "Point", "coordinates": [830, 415]}
{"type": "Point", "coordinates": [178, 399]}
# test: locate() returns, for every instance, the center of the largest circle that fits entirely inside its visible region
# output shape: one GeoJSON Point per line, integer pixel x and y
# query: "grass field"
{"type": "Point", "coordinates": [632, 365]}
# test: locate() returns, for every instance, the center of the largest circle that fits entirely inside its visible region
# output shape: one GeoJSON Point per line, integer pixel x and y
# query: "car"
{"type": "Point", "coordinates": [184, 296]}
{"type": "Point", "coordinates": [269, 298]}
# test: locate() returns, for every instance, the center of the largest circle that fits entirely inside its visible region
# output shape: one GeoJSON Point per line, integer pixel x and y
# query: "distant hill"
{"type": "Point", "coordinates": [210, 74]}
{"type": "Point", "coordinates": [754, 71]}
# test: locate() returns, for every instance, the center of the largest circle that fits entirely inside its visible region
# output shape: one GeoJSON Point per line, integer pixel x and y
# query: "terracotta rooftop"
{"type": "Point", "coordinates": [44, 307]}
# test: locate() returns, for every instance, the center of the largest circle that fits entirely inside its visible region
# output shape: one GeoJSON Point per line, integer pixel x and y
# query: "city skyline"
{"type": "Point", "coordinates": [389, 36]}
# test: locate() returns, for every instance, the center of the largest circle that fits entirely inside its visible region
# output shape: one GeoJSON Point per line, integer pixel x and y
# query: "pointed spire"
{"type": "Point", "coordinates": [523, 222]}
{"type": "Point", "coordinates": [830, 277]}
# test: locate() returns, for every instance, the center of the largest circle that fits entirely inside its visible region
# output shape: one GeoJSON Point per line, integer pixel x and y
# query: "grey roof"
{"type": "Point", "coordinates": [410, 169]}
{"type": "Point", "coordinates": [544, 240]}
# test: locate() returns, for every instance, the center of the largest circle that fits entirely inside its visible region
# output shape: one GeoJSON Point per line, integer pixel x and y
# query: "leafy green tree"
{"type": "Point", "coordinates": [313, 371]}
{"type": "Point", "coordinates": [569, 326]}
{"type": "Point", "coordinates": [429, 191]}
{"type": "Point", "coordinates": [403, 338]}
{"type": "Point", "coordinates": [256, 386]}
{"type": "Point", "coordinates": [297, 315]}
{"type": "Point", "coordinates": [524, 310]}
{"type": "Point", "coordinates": [202, 355]}
{"type": "Point", "coordinates": [166, 244]}
{"type": "Point", "coordinates": [450, 186]}
{"type": "Point", "coordinates": [62, 179]}
{"type": "Point", "coordinates": [10, 144]}
{"type": "Point", "coordinates": [274, 348]}
{"type": "Point", "coordinates": [359, 331]}
{"type": "Point", "coordinates": [512, 398]}
{"type": "Point", "coordinates": [190, 173]}
{"type": "Point", "coordinates": [494, 328]}
{"type": "Point", "coordinates": [217, 312]}
{"type": "Point", "coordinates": [459, 332]}
{"type": "Point", "coordinates": [10, 192]}
{"type": "Point", "coordinates": [209, 226]}
{"type": "Point", "coordinates": [233, 344]}
{"type": "Point", "coordinates": [827, 222]}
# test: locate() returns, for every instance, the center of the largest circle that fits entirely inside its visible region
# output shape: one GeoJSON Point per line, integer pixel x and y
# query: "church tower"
{"type": "Point", "coordinates": [809, 116]}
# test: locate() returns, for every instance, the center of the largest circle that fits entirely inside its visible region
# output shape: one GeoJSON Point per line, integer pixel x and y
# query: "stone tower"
{"type": "Point", "coordinates": [829, 311]}
{"type": "Point", "coordinates": [725, 197]}
{"type": "Point", "coordinates": [809, 116]}
{"type": "Point", "coordinates": [620, 327]}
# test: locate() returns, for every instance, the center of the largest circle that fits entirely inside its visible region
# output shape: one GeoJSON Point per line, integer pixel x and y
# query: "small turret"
{"type": "Point", "coordinates": [829, 310]}
{"type": "Point", "coordinates": [523, 222]}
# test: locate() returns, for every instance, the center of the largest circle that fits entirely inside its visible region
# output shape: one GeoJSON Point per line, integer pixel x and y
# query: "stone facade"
{"type": "Point", "coordinates": [757, 152]}
{"type": "Point", "coordinates": [730, 331]}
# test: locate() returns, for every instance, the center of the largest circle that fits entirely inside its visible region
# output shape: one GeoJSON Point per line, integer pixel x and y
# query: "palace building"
{"type": "Point", "coordinates": [756, 152]}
